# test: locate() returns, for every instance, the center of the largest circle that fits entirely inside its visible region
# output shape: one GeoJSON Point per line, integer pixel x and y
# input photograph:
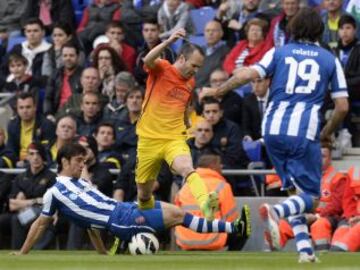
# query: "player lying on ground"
{"type": "Point", "coordinates": [84, 205]}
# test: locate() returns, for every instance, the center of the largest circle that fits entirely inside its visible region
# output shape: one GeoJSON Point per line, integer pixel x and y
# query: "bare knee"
{"type": "Point", "coordinates": [173, 215]}
{"type": "Point", "coordinates": [183, 165]}
{"type": "Point", "coordinates": [177, 215]}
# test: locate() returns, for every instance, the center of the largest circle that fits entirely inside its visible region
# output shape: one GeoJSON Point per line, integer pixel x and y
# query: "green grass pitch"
{"type": "Point", "coordinates": [88, 260]}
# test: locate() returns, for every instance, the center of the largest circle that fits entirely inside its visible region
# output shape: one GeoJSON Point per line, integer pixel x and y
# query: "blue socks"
{"type": "Point", "coordinates": [294, 205]}
{"type": "Point", "coordinates": [201, 225]}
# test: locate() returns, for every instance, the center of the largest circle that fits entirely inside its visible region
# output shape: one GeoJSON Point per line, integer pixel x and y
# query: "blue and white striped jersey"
{"type": "Point", "coordinates": [301, 74]}
{"type": "Point", "coordinates": [79, 201]}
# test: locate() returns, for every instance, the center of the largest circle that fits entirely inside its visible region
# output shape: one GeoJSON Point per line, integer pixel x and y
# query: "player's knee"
{"type": "Point", "coordinates": [177, 215]}
{"type": "Point", "coordinates": [183, 168]}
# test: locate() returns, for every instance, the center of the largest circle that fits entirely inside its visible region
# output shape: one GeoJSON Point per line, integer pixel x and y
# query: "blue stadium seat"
{"type": "Point", "coordinates": [79, 5]}
{"type": "Point", "coordinates": [257, 181]}
{"type": "Point", "coordinates": [200, 17]}
{"type": "Point", "coordinates": [86, 2]}
{"type": "Point", "coordinates": [177, 45]}
{"type": "Point", "coordinates": [78, 16]}
{"type": "Point", "coordinates": [253, 150]}
{"type": "Point", "coordinates": [198, 40]}
{"type": "Point", "coordinates": [14, 41]}
{"type": "Point", "coordinates": [244, 90]}
{"type": "Point", "coordinates": [76, 4]}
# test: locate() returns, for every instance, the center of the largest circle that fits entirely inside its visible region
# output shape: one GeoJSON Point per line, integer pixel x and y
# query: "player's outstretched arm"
{"type": "Point", "coordinates": [150, 58]}
{"type": "Point", "coordinates": [241, 77]}
{"type": "Point", "coordinates": [97, 241]}
{"type": "Point", "coordinates": [341, 109]}
{"type": "Point", "coordinates": [36, 231]}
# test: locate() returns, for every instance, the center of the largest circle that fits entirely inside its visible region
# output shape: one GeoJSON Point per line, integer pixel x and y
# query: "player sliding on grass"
{"type": "Point", "coordinates": [162, 125]}
{"type": "Point", "coordinates": [84, 205]}
{"type": "Point", "coordinates": [301, 74]}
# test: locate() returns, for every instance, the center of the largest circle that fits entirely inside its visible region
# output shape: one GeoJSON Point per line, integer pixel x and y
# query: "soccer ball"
{"type": "Point", "coordinates": [143, 244]}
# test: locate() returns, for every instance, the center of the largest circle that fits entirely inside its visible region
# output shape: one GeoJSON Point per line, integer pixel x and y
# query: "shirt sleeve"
{"type": "Point", "coordinates": [159, 67]}
{"type": "Point", "coordinates": [266, 66]}
{"type": "Point", "coordinates": [49, 206]}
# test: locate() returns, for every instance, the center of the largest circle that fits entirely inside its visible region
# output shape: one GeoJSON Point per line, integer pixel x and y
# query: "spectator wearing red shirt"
{"type": "Point", "coordinates": [95, 18]}
{"type": "Point", "coordinates": [249, 51]}
{"type": "Point", "coordinates": [278, 34]}
{"type": "Point", "coordinates": [115, 32]}
{"type": "Point", "coordinates": [64, 83]}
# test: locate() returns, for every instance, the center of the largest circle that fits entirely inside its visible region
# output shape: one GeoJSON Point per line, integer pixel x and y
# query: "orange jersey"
{"type": "Point", "coordinates": [166, 99]}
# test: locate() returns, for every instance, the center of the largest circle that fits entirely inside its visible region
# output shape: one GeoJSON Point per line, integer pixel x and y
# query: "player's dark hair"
{"type": "Point", "coordinates": [68, 151]}
{"type": "Point", "coordinates": [306, 25]}
{"type": "Point", "coordinates": [188, 49]}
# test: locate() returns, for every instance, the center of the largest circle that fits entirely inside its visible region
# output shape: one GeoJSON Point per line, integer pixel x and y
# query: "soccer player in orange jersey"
{"type": "Point", "coordinates": [162, 126]}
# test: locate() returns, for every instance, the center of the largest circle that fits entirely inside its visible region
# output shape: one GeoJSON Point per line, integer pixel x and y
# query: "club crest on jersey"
{"type": "Point", "coordinates": [73, 196]}
{"type": "Point", "coordinates": [178, 93]}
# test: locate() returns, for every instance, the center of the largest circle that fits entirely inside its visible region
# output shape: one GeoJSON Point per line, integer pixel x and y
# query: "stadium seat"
{"type": "Point", "coordinates": [243, 90]}
{"type": "Point", "coordinates": [79, 5]}
{"type": "Point", "coordinates": [76, 4]}
{"type": "Point", "coordinates": [86, 2]}
{"type": "Point", "coordinates": [200, 17]}
{"type": "Point", "coordinates": [253, 150]}
{"type": "Point", "coordinates": [177, 45]}
{"type": "Point", "coordinates": [198, 40]}
{"type": "Point", "coordinates": [13, 41]}
{"type": "Point", "coordinates": [78, 16]}
{"type": "Point", "coordinates": [257, 181]}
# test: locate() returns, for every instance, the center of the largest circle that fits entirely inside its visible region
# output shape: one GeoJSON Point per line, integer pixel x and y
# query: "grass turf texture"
{"type": "Point", "coordinates": [87, 260]}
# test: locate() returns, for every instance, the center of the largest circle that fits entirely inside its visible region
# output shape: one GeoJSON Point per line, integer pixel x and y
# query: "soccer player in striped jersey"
{"type": "Point", "coordinates": [80, 202]}
{"type": "Point", "coordinates": [301, 73]}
